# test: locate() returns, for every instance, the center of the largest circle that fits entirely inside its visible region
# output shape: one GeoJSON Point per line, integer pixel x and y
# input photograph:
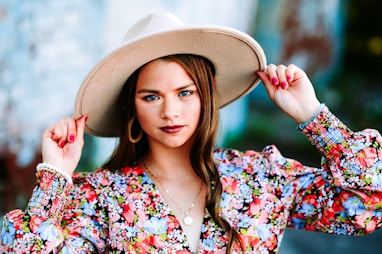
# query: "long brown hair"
{"type": "Point", "coordinates": [202, 72]}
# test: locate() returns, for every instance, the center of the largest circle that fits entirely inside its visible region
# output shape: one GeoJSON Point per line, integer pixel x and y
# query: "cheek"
{"type": "Point", "coordinates": [144, 115]}
{"type": "Point", "coordinates": [145, 118]}
{"type": "Point", "coordinates": [194, 112]}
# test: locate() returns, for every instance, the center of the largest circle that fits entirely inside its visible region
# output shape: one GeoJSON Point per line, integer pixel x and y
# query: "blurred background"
{"type": "Point", "coordinates": [47, 48]}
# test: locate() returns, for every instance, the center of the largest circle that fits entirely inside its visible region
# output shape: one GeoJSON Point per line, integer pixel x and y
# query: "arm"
{"type": "Point", "coordinates": [46, 223]}
{"type": "Point", "coordinates": [346, 197]}
{"type": "Point", "coordinates": [59, 217]}
{"type": "Point", "coordinates": [347, 154]}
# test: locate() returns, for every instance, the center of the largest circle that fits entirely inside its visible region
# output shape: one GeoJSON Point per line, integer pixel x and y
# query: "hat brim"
{"type": "Point", "coordinates": [235, 55]}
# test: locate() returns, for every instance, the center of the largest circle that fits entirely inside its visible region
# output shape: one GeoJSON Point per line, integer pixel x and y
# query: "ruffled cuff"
{"type": "Point", "coordinates": [49, 196]}
{"type": "Point", "coordinates": [303, 125]}
{"type": "Point", "coordinates": [326, 132]}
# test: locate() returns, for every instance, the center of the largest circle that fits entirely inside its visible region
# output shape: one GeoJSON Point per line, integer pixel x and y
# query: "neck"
{"type": "Point", "coordinates": [168, 164]}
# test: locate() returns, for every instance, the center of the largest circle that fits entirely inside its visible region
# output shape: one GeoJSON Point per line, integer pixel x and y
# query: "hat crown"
{"type": "Point", "coordinates": [151, 24]}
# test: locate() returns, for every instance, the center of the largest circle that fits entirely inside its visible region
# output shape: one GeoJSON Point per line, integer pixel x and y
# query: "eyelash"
{"type": "Point", "coordinates": [150, 97]}
{"type": "Point", "coordinates": [153, 97]}
{"type": "Point", "coordinates": [189, 92]}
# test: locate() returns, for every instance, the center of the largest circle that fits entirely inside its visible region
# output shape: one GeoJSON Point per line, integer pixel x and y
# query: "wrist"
{"type": "Point", "coordinates": [49, 167]}
{"type": "Point", "coordinates": [308, 112]}
{"type": "Point", "coordinates": [302, 126]}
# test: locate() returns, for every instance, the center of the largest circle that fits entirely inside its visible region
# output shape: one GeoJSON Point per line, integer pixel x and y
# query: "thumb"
{"type": "Point", "coordinates": [81, 123]}
{"type": "Point", "coordinates": [265, 79]}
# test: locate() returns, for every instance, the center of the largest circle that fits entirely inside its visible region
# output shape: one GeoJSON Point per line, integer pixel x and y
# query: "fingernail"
{"type": "Point", "coordinates": [71, 138]}
{"type": "Point", "coordinates": [283, 85]}
{"type": "Point", "coordinates": [274, 81]}
{"type": "Point", "coordinates": [288, 78]}
{"type": "Point", "coordinates": [61, 144]}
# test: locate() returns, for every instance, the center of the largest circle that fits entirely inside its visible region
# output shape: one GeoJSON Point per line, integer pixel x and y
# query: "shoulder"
{"type": "Point", "coordinates": [103, 177]}
{"type": "Point", "coordinates": [269, 160]}
{"type": "Point", "coordinates": [244, 158]}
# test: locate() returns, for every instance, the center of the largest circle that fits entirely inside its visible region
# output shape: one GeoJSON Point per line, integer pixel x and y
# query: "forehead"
{"type": "Point", "coordinates": [163, 73]}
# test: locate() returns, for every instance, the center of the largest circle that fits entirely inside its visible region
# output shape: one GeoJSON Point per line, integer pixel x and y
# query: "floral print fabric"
{"type": "Point", "coordinates": [263, 193]}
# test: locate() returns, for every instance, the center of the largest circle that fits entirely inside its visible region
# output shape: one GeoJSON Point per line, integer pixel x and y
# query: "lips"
{"type": "Point", "coordinates": [172, 129]}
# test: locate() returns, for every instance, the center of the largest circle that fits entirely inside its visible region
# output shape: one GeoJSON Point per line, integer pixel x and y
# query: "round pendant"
{"type": "Point", "coordinates": [188, 221]}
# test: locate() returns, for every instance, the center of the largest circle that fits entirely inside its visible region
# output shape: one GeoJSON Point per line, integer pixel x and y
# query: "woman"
{"type": "Point", "coordinates": [165, 189]}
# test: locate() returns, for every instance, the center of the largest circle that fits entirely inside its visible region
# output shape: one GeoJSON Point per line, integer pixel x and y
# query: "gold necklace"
{"type": "Point", "coordinates": [187, 219]}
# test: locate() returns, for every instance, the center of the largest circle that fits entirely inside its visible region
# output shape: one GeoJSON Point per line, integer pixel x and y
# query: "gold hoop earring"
{"type": "Point", "coordinates": [129, 134]}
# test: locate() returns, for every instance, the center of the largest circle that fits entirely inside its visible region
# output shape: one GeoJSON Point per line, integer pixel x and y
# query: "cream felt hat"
{"type": "Point", "coordinates": [235, 55]}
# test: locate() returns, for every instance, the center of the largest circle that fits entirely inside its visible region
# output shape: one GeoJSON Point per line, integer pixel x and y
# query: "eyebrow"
{"type": "Point", "coordinates": [157, 91]}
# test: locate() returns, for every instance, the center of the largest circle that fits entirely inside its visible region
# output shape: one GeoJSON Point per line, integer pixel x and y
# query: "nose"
{"type": "Point", "coordinates": [170, 108]}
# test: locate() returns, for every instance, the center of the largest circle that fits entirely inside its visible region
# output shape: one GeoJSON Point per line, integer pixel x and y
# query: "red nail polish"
{"type": "Point", "coordinates": [71, 138]}
{"type": "Point", "coordinates": [283, 85]}
{"type": "Point", "coordinates": [61, 144]}
{"type": "Point", "coordinates": [288, 78]}
{"type": "Point", "coordinates": [274, 81]}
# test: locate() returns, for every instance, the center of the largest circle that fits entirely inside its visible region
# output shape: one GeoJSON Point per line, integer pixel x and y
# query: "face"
{"type": "Point", "coordinates": [167, 104]}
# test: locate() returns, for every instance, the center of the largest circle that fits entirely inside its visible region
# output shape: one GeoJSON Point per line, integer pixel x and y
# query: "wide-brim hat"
{"type": "Point", "coordinates": [236, 57]}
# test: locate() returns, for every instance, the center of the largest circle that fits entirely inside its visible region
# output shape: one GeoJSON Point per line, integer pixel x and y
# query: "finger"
{"type": "Point", "coordinates": [282, 76]}
{"type": "Point", "coordinates": [264, 77]}
{"type": "Point", "coordinates": [56, 132]}
{"type": "Point", "coordinates": [298, 73]}
{"type": "Point", "coordinates": [290, 72]}
{"type": "Point", "coordinates": [272, 73]}
{"type": "Point", "coordinates": [59, 134]}
{"type": "Point", "coordinates": [81, 122]}
{"type": "Point", "coordinates": [61, 131]}
{"type": "Point", "coordinates": [71, 130]}
{"type": "Point", "coordinates": [266, 82]}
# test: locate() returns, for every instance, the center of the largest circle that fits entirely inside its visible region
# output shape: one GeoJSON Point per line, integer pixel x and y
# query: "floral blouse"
{"type": "Point", "coordinates": [263, 193]}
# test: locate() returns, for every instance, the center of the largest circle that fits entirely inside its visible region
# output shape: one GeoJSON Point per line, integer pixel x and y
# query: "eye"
{"type": "Point", "coordinates": [151, 97]}
{"type": "Point", "coordinates": [185, 93]}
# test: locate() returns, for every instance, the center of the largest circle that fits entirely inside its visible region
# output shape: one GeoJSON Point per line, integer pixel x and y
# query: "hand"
{"type": "Point", "coordinates": [291, 90]}
{"type": "Point", "coordinates": [63, 142]}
